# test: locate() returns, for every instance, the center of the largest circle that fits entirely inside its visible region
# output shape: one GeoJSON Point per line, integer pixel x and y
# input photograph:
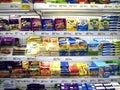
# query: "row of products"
{"type": "Point", "coordinates": [59, 46]}
{"type": "Point", "coordinates": [15, 1]}
{"type": "Point", "coordinates": [63, 1]}
{"type": "Point", "coordinates": [47, 69]}
{"type": "Point", "coordinates": [104, 23]}
{"type": "Point", "coordinates": [74, 86]}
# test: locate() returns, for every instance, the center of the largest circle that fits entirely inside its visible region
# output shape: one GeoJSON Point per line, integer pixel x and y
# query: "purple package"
{"type": "Point", "coordinates": [7, 41]}
{"type": "Point", "coordinates": [4, 25]}
{"type": "Point", "coordinates": [36, 24]}
{"type": "Point", "coordinates": [14, 24]}
{"type": "Point", "coordinates": [60, 24]}
{"type": "Point", "coordinates": [25, 24]}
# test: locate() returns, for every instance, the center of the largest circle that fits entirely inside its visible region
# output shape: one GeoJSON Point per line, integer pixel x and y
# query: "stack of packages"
{"type": "Point", "coordinates": [114, 20]}
{"type": "Point", "coordinates": [117, 47]}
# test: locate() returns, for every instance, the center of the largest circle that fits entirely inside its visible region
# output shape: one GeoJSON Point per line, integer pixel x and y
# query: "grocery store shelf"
{"type": "Point", "coordinates": [58, 58]}
{"type": "Point", "coordinates": [16, 33]}
{"type": "Point", "coordinates": [15, 6]}
{"type": "Point", "coordinates": [74, 7]}
{"type": "Point", "coordinates": [23, 82]}
{"type": "Point", "coordinates": [60, 33]}
{"type": "Point", "coordinates": [77, 33]}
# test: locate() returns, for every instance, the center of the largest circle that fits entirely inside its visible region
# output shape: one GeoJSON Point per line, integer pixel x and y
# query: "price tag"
{"type": "Point", "coordinates": [52, 6]}
{"type": "Point", "coordinates": [45, 33]}
{"type": "Point", "coordinates": [89, 33]}
{"type": "Point", "coordinates": [94, 58]}
{"type": "Point", "coordinates": [1, 34]}
{"type": "Point", "coordinates": [14, 6]}
{"type": "Point", "coordinates": [17, 58]}
{"type": "Point", "coordinates": [25, 6]}
{"type": "Point", "coordinates": [114, 80]}
{"type": "Point", "coordinates": [92, 81]}
{"type": "Point", "coordinates": [78, 33]}
{"type": "Point", "coordinates": [73, 6]}
{"type": "Point", "coordinates": [64, 81]}
{"type": "Point", "coordinates": [53, 81]}
{"type": "Point", "coordinates": [8, 83]}
{"type": "Point", "coordinates": [101, 33]}
{"type": "Point", "coordinates": [68, 59]}
{"type": "Point", "coordinates": [67, 33]}
{"type": "Point", "coordinates": [56, 59]}
{"type": "Point", "coordinates": [44, 81]}
{"type": "Point", "coordinates": [100, 81]}
{"type": "Point", "coordinates": [55, 33]}
{"type": "Point", "coordinates": [74, 81]}
{"type": "Point", "coordinates": [113, 34]}
{"type": "Point", "coordinates": [84, 81]}
{"type": "Point", "coordinates": [93, 6]}
{"type": "Point", "coordinates": [62, 6]}
{"type": "Point", "coordinates": [31, 58]}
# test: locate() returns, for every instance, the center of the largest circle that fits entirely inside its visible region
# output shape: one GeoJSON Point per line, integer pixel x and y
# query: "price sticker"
{"type": "Point", "coordinates": [14, 6]}
{"type": "Point", "coordinates": [17, 58]}
{"type": "Point", "coordinates": [1, 34]}
{"type": "Point", "coordinates": [62, 6]}
{"type": "Point", "coordinates": [67, 33]}
{"type": "Point", "coordinates": [44, 81]}
{"type": "Point", "coordinates": [52, 6]}
{"type": "Point", "coordinates": [94, 58]}
{"type": "Point", "coordinates": [68, 59]}
{"type": "Point", "coordinates": [78, 33]}
{"type": "Point", "coordinates": [114, 80]}
{"type": "Point", "coordinates": [56, 33]}
{"type": "Point", "coordinates": [53, 81]}
{"type": "Point", "coordinates": [8, 83]}
{"type": "Point", "coordinates": [31, 58]}
{"type": "Point", "coordinates": [100, 81]}
{"type": "Point", "coordinates": [83, 81]}
{"type": "Point", "coordinates": [64, 81]}
{"type": "Point", "coordinates": [113, 34]}
{"type": "Point", "coordinates": [92, 81]}
{"type": "Point", "coordinates": [74, 81]}
{"type": "Point", "coordinates": [25, 6]}
{"type": "Point", "coordinates": [89, 33]}
{"type": "Point", "coordinates": [56, 59]}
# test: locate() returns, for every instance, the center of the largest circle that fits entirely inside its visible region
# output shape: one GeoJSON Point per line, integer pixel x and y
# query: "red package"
{"type": "Point", "coordinates": [83, 1]}
{"type": "Point", "coordinates": [73, 69]}
{"type": "Point", "coordinates": [6, 1]}
{"type": "Point", "coordinates": [60, 24]}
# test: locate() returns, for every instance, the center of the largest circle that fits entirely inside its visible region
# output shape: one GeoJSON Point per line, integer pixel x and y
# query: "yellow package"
{"type": "Point", "coordinates": [72, 24]}
{"type": "Point", "coordinates": [33, 46]}
{"type": "Point", "coordinates": [16, 1]}
{"type": "Point", "coordinates": [45, 40]}
{"type": "Point", "coordinates": [25, 64]}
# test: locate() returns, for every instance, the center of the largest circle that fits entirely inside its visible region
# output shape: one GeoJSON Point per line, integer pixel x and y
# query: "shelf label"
{"type": "Point", "coordinates": [78, 33]}
{"type": "Point", "coordinates": [17, 59]}
{"type": "Point", "coordinates": [52, 6]}
{"type": "Point", "coordinates": [56, 33]}
{"type": "Point", "coordinates": [74, 81]}
{"type": "Point", "coordinates": [56, 59]}
{"type": "Point", "coordinates": [68, 59]}
{"type": "Point", "coordinates": [25, 6]}
{"type": "Point", "coordinates": [101, 34]}
{"type": "Point", "coordinates": [31, 58]}
{"type": "Point", "coordinates": [67, 33]}
{"type": "Point", "coordinates": [89, 33]}
{"type": "Point", "coordinates": [94, 58]}
{"type": "Point", "coordinates": [14, 6]}
{"type": "Point", "coordinates": [8, 83]}
{"type": "Point", "coordinates": [63, 6]}
{"type": "Point", "coordinates": [53, 81]}
{"type": "Point", "coordinates": [113, 34]}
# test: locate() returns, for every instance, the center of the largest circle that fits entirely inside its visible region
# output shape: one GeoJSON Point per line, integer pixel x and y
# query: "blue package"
{"type": "Point", "coordinates": [63, 53]}
{"type": "Point", "coordinates": [74, 53]}
{"type": "Point", "coordinates": [82, 25]}
{"type": "Point", "coordinates": [64, 64]}
{"type": "Point", "coordinates": [83, 53]}
{"type": "Point", "coordinates": [93, 70]}
{"type": "Point", "coordinates": [47, 25]}
{"type": "Point", "coordinates": [72, 1]}
{"type": "Point", "coordinates": [108, 54]}
{"type": "Point", "coordinates": [26, 1]}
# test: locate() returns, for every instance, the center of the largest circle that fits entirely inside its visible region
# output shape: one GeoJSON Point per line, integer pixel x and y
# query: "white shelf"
{"type": "Point", "coordinates": [23, 82]}
{"type": "Point", "coordinates": [60, 33]}
{"type": "Point", "coordinates": [57, 58]}
{"type": "Point", "coordinates": [77, 33]}
{"type": "Point", "coordinates": [87, 7]}
{"type": "Point", "coordinates": [15, 6]}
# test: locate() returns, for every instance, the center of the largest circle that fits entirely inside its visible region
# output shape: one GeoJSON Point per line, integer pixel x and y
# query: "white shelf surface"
{"type": "Point", "coordinates": [15, 6]}
{"type": "Point", "coordinates": [23, 82]}
{"type": "Point", "coordinates": [58, 58]}
{"type": "Point", "coordinates": [87, 7]}
{"type": "Point", "coordinates": [60, 33]}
